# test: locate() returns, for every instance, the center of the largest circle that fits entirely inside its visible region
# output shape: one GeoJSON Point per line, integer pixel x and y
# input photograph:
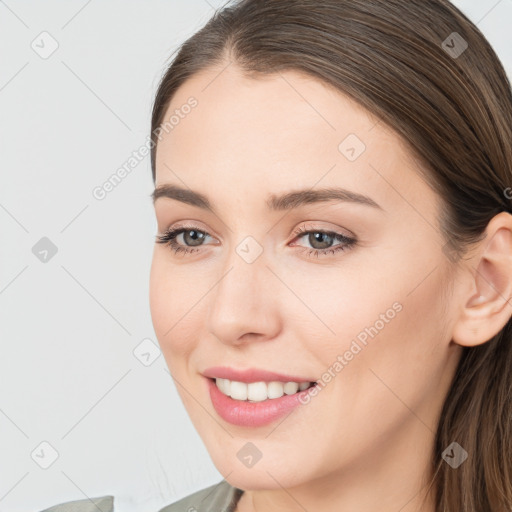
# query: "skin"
{"type": "Point", "coordinates": [364, 442]}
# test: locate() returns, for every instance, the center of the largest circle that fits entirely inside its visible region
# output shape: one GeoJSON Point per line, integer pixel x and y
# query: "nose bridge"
{"type": "Point", "coordinates": [243, 301]}
{"type": "Point", "coordinates": [245, 269]}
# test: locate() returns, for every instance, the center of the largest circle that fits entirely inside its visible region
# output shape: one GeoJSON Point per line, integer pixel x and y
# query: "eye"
{"type": "Point", "coordinates": [190, 235]}
{"type": "Point", "coordinates": [188, 239]}
{"type": "Point", "coordinates": [322, 241]}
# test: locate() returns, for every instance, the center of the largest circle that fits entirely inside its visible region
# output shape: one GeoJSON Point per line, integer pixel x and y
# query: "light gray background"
{"type": "Point", "coordinates": [69, 326]}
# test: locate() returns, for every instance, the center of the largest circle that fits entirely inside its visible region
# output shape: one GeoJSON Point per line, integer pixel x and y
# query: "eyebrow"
{"type": "Point", "coordinates": [287, 201]}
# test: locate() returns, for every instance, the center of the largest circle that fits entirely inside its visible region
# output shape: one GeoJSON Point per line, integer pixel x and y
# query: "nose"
{"type": "Point", "coordinates": [244, 306]}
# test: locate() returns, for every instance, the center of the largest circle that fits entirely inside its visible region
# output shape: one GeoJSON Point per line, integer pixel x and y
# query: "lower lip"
{"type": "Point", "coordinates": [253, 414]}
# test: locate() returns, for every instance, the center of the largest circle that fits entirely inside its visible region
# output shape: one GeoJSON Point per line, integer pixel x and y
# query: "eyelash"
{"type": "Point", "coordinates": [169, 238]}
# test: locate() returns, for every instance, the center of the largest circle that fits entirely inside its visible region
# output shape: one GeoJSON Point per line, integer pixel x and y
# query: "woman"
{"type": "Point", "coordinates": [332, 280]}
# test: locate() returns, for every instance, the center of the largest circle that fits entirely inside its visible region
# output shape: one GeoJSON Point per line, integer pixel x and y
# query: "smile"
{"type": "Point", "coordinates": [259, 391]}
{"type": "Point", "coordinates": [241, 410]}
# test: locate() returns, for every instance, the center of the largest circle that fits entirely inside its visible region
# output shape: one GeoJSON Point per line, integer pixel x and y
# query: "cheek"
{"type": "Point", "coordinates": [171, 300]}
{"type": "Point", "coordinates": [158, 299]}
{"type": "Point", "coordinates": [338, 306]}
{"type": "Point", "coordinates": [392, 340]}
{"type": "Point", "coordinates": [391, 319]}
{"type": "Point", "coordinates": [396, 351]}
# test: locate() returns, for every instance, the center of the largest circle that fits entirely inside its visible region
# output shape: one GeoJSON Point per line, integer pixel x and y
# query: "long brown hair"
{"type": "Point", "coordinates": [425, 70]}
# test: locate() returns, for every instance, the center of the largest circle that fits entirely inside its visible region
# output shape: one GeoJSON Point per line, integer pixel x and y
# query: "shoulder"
{"type": "Point", "coordinates": [221, 497]}
{"type": "Point", "coordinates": [102, 504]}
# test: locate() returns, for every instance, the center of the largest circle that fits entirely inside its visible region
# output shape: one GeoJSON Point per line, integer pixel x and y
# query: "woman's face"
{"type": "Point", "coordinates": [369, 320]}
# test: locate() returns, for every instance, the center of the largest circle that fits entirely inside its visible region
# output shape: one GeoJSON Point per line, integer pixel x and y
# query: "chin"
{"type": "Point", "coordinates": [252, 480]}
{"type": "Point", "coordinates": [272, 472]}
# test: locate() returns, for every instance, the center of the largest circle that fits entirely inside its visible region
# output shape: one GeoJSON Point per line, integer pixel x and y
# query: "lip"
{"type": "Point", "coordinates": [253, 414]}
{"type": "Point", "coordinates": [251, 375]}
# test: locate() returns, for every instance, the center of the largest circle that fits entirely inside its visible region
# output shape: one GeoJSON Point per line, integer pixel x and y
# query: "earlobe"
{"type": "Point", "coordinates": [488, 305]}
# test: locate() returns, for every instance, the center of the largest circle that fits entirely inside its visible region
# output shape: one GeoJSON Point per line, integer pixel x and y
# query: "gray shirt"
{"type": "Point", "coordinates": [220, 497]}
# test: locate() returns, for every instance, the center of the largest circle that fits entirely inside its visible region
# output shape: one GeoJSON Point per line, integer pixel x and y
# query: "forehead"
{"type": "Point", "coordinates": [276, 131]}
{"type": "Point", "coordinates": [265, 114]}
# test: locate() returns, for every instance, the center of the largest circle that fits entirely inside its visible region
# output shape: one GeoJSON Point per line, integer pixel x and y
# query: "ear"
{"type": "Point", "coordinates": [488, 301]}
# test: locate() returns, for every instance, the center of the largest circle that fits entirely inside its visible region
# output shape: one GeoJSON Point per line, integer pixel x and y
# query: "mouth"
{"type": "Point", "coordinates": [258, 403]}
{"type": "Point", "coordinates": [259, 391]}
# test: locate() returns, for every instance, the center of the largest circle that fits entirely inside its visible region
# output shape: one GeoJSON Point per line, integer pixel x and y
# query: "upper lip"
{"type": "Point", "coordinates": [251, 375]}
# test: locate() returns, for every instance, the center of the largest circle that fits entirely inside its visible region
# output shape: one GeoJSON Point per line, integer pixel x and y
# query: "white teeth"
{"type": "Point", "coordinates": [275, 389]}
{"type": "Point", "coordinates": [290, 388]}
{"type": "Point", "coordinates": [238, 390]}
{"type": "Point", "coordinates": [224, 385]}
{"type": "Point", "coordinates": [259, 391]}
